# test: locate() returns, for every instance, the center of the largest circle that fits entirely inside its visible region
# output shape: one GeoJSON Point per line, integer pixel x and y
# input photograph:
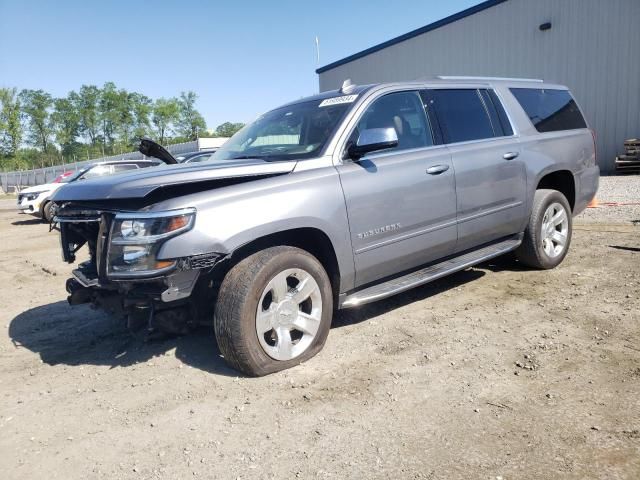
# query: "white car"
{"type": "Point", "coordinates": [35, 200]}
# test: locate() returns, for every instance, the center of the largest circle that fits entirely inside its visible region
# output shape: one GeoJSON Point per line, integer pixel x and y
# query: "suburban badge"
{"type": "Point", "coordinates": [379, 230]}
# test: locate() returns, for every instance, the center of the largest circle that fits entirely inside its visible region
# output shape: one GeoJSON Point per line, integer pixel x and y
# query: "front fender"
{"type": "Point", "coordinates": [233, 216]}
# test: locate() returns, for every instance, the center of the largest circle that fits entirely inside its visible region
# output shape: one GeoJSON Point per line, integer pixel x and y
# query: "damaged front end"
{"type": "Point", "coordinates": [126, 273]}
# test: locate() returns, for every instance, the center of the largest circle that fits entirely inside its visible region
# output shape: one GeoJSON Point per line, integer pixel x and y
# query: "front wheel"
{"type": "Point", "coordinates": [273, 311]}
{"type": "Point", "coordinates": [548, 234]}
{"type": "Point", "coordinates": [47, 212]}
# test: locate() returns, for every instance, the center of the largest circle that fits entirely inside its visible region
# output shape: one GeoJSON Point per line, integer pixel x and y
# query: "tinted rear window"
{"type": "Point", "coordinates": [462, 115]}
{"type": "Point", "coordinates": [502, 115]}
{"type": "Point", "coordinates": [550, 110]}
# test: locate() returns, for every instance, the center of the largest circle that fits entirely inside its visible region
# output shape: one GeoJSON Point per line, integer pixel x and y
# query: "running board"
{"type": "Point", "coordinates": [430, 273]}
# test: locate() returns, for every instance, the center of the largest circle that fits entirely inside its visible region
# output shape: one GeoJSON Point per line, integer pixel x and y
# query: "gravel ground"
{"type": "Point", "coordinates": [7, 202]}
{"type": "Point", "coordinates": [615, 190]}
{"type": "Point", "coordinates": [494, 372]}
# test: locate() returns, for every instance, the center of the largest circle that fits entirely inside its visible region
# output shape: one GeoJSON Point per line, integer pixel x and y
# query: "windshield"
{"type": "Point", "coordinates": [294, 132]}
{"type": "Point", "coordinates": [73, 176]}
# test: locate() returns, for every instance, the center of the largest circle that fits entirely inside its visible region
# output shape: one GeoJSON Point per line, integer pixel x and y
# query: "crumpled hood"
{"type": "Point", "coordinates": [45, 187]}
{"type": "Point", "coordinates": [140, 183]}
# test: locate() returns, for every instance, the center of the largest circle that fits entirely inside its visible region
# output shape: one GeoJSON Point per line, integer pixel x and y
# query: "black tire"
{"type": "Point", "coordinates": [531, 251]}
{"type": "Point", "coordinates": [237, 304]}
{"type": "Point", "coordinates": [47, 211]}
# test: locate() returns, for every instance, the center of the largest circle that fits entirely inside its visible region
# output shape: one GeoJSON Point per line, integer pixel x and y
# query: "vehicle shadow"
{"type": "Point", "coordinates": [432, 289]}
{"type": "Point", "coordinates": [356, 315]}
{"type": "Point", "coordinates": [506, 262]}
{"type": "Point", "coordinates": [622, 247]}
{"type": "Point", "coordinates": [31, 221]}
{"type": "Point", "coordinates": [79, 335]}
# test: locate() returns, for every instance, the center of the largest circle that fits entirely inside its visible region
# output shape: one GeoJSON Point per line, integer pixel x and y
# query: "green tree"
{"type": "Point", "coordinates": [87, 107]}
{"type": "Point", "coordinates": [65, 121]}
{"type": "Point", "coordinates": [190, 122]}
{"type": "Point", "coordinates": [166, 112]}
{"type": "Point", "coordinates": [91, 122]}
{"type": "Point", "coordinates": [125, 119]}
{"type": "Point", "coordinates": [109, 111]}
{"type": "Point", "coordinates": [227, 129]}
{"type": "Point", "coordinates": [142, 106]}
{"type": "Point", "coordinates": [11, 129]}
{"type": "Point", "coordinates": [35, 109]}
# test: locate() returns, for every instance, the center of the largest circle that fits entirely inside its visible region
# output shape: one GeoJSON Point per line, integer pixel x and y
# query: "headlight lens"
{"type": "Point", "coordinates": [33, 195]}
{"type": "Point", "coordinates": [136, 240]}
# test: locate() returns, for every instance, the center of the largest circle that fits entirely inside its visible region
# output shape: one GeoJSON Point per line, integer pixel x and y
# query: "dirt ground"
{"type": "Point", "coordinates": [493, 373]}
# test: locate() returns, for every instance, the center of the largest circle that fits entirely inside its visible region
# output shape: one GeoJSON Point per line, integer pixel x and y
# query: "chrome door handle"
{"type": "Point", "coordinates": [437, 169]}
{"type": "Point", "coordinates": [510, 155]}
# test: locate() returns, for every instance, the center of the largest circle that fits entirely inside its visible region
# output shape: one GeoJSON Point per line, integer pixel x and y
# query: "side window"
{"type": "Point", "coordinates": [502, 114]}
{"type": "Point", "coordinates": [124, 167]}
{"type": "Point", "coordinates": [97, 171]}
{"type": "Point", "coordinates": [462, 115]}
{"type": "Point", "coordinates": [550, 110]}
{"type": "Point", "coordinates": [199, 158]}
{"type": "Point", "coordinates": [402, 111]}
{"type": "Point", "coordinates": [499, 120]}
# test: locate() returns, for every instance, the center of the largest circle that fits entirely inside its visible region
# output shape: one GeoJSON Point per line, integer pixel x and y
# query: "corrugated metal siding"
{"type": "Point", "coordinates": [593, 47]}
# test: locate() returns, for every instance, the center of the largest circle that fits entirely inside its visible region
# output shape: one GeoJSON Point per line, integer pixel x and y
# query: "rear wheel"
{"type": "Point", "coordinates": [274, 311]}
{"type": "Point", "coordinates": [548, 234]}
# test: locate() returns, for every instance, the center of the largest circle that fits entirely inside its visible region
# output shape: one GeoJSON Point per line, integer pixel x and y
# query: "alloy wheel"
{"type": "Point", "coordinates": [289, 314]}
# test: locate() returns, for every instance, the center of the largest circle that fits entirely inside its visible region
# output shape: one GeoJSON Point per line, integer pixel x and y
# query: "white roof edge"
{"type": "Point", "coordinates": [489, 79]}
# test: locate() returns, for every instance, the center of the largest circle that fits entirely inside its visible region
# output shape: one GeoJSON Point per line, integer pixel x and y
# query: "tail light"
{"type": "Point", "coordinates": [595, 147]}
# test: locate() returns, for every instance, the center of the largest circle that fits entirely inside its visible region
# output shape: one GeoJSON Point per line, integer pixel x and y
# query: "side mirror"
{"type": "Point", "coordinates": [373, 139]}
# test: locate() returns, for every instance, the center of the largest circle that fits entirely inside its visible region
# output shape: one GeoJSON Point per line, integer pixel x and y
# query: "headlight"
{"type": "Point", "coordinates": [137, 238]}
{"type": "Point", "coordinates": [33, 195]}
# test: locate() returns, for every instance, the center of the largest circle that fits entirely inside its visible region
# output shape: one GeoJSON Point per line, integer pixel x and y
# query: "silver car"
{"type": "Point", "coordinates": [331, 202]}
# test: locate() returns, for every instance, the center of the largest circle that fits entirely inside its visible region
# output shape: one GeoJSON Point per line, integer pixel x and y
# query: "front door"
{"type": "Point", "coordinates": [401, 202]}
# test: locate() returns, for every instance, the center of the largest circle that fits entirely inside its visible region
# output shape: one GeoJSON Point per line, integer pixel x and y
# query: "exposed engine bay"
{"type": "Point", "coordinates": [124, 235]}
{"type": "Point", "coordinates": [171, 296]}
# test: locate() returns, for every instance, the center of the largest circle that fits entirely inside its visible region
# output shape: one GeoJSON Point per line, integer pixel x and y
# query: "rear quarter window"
{"type": "Point", "coordinates": [550, 110]}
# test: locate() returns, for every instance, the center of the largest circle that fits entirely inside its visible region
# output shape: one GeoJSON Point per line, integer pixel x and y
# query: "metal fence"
{"type": "Point", "coordinates": [14, 181]}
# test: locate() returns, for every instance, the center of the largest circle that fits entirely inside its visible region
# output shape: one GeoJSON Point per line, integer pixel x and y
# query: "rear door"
{"type": "Point", "coordinates": [401, 202]}
{"type": "Point", "coordinates": [489, 171]}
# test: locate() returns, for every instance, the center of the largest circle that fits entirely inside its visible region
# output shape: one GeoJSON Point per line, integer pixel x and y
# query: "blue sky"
{"type": "Point", "coordinates": [242, 58]}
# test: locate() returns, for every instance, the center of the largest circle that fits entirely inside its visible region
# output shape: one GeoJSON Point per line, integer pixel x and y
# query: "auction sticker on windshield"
{"type": "Point", "coordinates": [337, 100]}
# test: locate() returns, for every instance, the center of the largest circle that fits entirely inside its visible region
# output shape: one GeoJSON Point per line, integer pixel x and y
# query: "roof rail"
{"type": "Point", "coordinates": [454, 77]}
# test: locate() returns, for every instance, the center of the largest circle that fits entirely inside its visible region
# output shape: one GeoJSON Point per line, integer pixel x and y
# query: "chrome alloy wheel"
{"type": "Point", "coordinates": [289, 314]}
{"type": "Point", "coordinates": [555, 228]}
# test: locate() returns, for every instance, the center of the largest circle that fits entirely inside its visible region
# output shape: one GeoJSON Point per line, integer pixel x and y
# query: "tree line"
{"type": "Point", "coordinates": [37, 129]}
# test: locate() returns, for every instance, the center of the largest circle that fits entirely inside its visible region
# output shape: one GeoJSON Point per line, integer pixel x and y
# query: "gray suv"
{"type": "Point", "coordinates": [330, 202]}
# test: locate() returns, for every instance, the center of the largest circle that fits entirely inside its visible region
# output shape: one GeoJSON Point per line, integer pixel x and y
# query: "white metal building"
{"type": "Point", "coordinates": [592, 46]}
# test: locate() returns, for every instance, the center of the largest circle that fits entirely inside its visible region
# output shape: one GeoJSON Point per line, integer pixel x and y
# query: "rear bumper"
{"type": "Point", "coordinates": [587, 182]}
